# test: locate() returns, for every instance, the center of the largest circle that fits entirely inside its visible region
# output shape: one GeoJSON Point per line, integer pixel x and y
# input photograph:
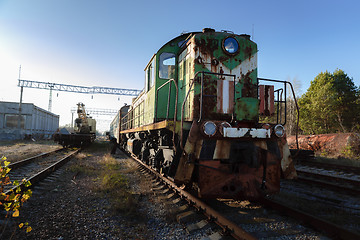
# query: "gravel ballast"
{"type": "Point", "coordinates": [69, 205]}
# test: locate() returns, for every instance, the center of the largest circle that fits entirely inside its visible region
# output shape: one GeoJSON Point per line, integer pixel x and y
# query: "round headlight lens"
{"type": "Point", "coordinates": [210, 128]}
{"type": "Point", "coordinates": [279, 130]}
{"type": "Point", "coordinates": [231, 45]}
{"type": "Point", "coordinates": [222, 126]}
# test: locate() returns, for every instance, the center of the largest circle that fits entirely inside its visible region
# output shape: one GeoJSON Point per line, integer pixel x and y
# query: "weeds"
{"type": "Point", "coordinates": [108, 175]}
{"type": "Point", "coordinates": [349, 152]}
{"type": "Point", "coordinates": [115, 185]}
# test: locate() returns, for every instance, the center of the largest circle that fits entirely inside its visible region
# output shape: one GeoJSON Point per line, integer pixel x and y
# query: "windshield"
{"type": "Point", "coordinates": [167, 65]}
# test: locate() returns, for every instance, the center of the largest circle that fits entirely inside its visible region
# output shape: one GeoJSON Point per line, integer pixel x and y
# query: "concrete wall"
{"type": "Point", "coordinates": [35, 121]}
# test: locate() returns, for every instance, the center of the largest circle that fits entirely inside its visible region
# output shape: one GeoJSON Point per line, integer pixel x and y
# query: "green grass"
{"type": "Point", "coordinates": [113, 183]}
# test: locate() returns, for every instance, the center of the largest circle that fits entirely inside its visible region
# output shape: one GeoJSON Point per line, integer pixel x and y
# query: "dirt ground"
{"type": "Point", "coordinates": [18, 150]}
{"type": "Point", "coordinates": [336, 145]}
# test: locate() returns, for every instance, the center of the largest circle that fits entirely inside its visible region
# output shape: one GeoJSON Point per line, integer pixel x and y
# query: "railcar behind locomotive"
{"type": "Point", "coordinates": [84, 131]}
{"type": "Point", "coordinates": [198, 119]}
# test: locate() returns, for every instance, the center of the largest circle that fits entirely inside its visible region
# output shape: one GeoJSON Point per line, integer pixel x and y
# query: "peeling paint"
{"type": "Point", "coordinates": [242, 132]}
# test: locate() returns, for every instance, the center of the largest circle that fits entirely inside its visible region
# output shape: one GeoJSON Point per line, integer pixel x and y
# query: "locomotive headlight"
{"type": "Point", "coordinates": [279, 130]}
{"type": "Point", "coordinates": [209, 128]}
{"type": "Point", "coordinates": [230, 45]}
{"type": "Point", "coordinates": [222, 126]}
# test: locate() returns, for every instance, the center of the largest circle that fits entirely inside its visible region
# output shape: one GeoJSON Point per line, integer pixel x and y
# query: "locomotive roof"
{"type": "Point", "coordinates": [184, 36]}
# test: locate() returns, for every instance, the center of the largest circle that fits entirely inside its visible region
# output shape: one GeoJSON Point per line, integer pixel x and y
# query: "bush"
{"type": "Point", "coordinates": [14, 199]}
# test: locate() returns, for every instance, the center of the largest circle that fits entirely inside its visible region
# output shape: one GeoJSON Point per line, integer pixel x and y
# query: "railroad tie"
{"type": "Point", "coordinates": [196, 226]}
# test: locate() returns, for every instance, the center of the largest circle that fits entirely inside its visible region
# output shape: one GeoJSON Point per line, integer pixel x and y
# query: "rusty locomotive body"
{"type": "Point", "coordinates": [198, 119]}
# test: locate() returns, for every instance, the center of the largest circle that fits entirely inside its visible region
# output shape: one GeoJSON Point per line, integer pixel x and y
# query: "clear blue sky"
{"type": "Point", "coordinates": [109, 42]}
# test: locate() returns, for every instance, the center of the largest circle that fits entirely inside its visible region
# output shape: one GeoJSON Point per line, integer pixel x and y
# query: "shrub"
{"type": "Point", "coordinates": [13, 200]}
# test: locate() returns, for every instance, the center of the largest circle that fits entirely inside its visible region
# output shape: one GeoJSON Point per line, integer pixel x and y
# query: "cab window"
{"type": "Point", "coordinates": [167, 65]}
{"type": "Point", "coordinates": [150, 75]}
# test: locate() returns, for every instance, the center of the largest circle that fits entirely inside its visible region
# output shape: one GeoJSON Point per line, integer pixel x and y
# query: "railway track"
{"type": "Point", "coordinates": [343, 181]}
{"type": "Point", "coordinates": [36, 168]}
{"type": "Point", "coordinates": [331, 166]}
{"type": "Point", "coordinates": [333, 211]}
{"type": "Point", "coordinates": [228, 226]}
{"type": "Point", "coordinates": [234, 220]}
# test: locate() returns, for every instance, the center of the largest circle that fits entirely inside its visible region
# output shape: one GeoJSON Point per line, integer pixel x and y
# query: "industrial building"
{"type": "Point", "coordinates": [34, 121]}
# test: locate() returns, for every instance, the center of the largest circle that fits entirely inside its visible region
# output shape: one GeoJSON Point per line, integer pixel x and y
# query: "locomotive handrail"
{"type": "Point", "coordinates": [279, 92]}
{"type": "Point", "coordinates": [182, 109]}
{"type": "Point", "coordinates": [168, 105]}
{"type": "Point", "coordinates": [187, 95]}
{"type": "Point", "coordinates": [297, 106]}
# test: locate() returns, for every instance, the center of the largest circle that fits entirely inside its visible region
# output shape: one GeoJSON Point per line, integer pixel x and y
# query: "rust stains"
{"type": "Point", "coordinates": [186, 166]}
{"type": "Point", "coordinates": [207, 45]}
{"type": "Point", "coordinates": [247, 184]}
{"type": "Point", "coordinates": [249, 88]}
{"type": "Point", "coordinates": [219, 96]}
{"type": "Point", "coordinates": [248, 52]}
{"type": "Point", "coordinates": [287, 164]}
{"type": "Point", "coordinates": [222, 149]}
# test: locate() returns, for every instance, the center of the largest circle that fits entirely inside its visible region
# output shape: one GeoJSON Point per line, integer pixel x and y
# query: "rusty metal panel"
{"type": "Point", "coordinates": [222, 150]}
{"type": "Point", "coordinates": [186, 165]}
{"type": "Point", "coordinates": [266, 95]}
{"type": "Point", "coordinates": [287, 164]}
{"type": "Point", "coordinates": [223, 96]}
{"type": "Point", "coordinates": [218, 180]}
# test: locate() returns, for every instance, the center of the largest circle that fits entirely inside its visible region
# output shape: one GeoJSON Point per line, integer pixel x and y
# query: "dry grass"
{"type": "Point", "coordinates": [107, 176]}
{"type": "Point", "coordinates": [113, 183]}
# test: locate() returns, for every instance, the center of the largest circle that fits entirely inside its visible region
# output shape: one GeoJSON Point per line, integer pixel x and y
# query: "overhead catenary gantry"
{"type": "Point", "coordinates": [98, 111]}
{"type": "Point", "coordinates": [77, 89]}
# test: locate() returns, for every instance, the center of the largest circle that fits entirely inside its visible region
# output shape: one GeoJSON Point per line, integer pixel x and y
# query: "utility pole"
{"type": "Point", "coordinates": [20, 104]}
{"type": "Point", "coordinates": [51, 86]}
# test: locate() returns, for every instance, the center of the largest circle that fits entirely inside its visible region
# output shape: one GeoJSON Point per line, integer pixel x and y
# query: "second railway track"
{"type": "Point", "coordinates": [36, 168]}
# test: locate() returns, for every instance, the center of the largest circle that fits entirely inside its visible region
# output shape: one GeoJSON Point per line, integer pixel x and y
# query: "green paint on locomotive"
{"type": "Point", "coordinates": [203, 52]}
{"type": "Point", "coordinates": [210, 56]}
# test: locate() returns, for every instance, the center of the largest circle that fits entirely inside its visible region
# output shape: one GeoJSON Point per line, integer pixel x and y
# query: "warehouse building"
{"type": "Point", "coordinates": [34, 121]}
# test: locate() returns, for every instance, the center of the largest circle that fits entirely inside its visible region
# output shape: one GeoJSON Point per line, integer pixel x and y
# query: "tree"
{"type": "Point", "coordinates": [331, 104]}
{"type": "Point", "coordinates": [291, 113]}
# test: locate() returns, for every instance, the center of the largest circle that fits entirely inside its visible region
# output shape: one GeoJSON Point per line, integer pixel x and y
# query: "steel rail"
{"type": "Point", "coordinates": [228, 226]}
{"type": "Point", "coordinates": [352, 169]}
{"type": "Point", "coordinates": [332, 229]}
{"type": "Point", "coordinates": [23, 162]}
{"type": "Point", "coordinates": [349, 190]}
{"type": "Point", "coordinates": [45, 172]}
{"type": "Point", "coordinates": [329, 177]}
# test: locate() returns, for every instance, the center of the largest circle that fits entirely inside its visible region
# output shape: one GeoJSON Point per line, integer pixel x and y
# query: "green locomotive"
{"type": "Point", "coordinates": [197, 119]}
